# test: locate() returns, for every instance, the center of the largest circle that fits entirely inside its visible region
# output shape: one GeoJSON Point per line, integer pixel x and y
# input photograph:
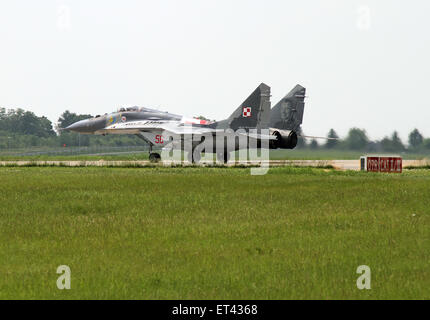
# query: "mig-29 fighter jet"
{"type": "Point", "coordinates": [252, 122]}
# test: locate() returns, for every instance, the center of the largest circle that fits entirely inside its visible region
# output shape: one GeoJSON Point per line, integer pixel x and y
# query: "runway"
{"type": "Point", "coordinates": [336, 164]}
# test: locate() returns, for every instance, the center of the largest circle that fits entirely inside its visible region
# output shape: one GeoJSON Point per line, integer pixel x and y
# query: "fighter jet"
{"type": "Point", "coordinates": [251, 121]}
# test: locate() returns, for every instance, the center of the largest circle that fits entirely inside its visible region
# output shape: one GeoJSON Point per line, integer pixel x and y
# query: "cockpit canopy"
{"type": "Point", "coordinates": [135, 109]}
{"type": "Point", "coordinates": [139, 109]}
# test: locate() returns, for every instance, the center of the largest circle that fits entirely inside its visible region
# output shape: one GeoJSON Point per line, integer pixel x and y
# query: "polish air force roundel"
{"type": "Point", "coordinates": [246, 112]}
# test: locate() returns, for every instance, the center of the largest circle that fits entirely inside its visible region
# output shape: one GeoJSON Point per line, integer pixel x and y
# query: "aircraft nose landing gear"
{"type": "Point", "coordinates": [153, 156]}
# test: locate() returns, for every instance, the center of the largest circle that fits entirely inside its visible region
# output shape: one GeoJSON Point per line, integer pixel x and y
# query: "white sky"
{"type": "Point", "coordinates": [364, 63]}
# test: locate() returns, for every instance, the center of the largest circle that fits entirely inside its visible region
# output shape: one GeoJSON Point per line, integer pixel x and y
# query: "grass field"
{"type": "Point", "coordinates": [213, 233]}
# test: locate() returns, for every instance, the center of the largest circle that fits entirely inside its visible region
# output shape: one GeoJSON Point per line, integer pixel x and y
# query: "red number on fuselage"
{"type": "Point", "coordinates": [159, 139]}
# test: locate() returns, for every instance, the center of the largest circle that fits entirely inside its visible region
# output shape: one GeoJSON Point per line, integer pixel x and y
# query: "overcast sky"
{"type": "Point", "coordinates": [364, 63]}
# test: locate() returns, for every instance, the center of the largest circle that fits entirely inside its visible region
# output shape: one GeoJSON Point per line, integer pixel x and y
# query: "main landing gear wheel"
{"type": "Point", "coordinates": [223, 157]}
{"type": "Point", "coordinates": [154, 157]}
{"type": "Point", "coordinates": [194, 158]}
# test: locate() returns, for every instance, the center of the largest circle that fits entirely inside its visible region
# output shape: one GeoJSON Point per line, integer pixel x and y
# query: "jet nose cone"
{"type": "Point", "coordinates": [89, 126]}
{"type": "Point", "coordinates": [80, 126]}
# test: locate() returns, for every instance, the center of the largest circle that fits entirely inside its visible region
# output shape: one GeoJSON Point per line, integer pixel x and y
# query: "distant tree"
{"type": "Point", "coordinates": [25, 122]}
{"type": "Point", "coordinates": [357, 139]}
{"type": "Point", "coordinates": [374, 146]}
{"type": "Point", "coordinates": [393, 144]}
{"type": "Point", "coordinates": [67, 118]}
{"type": "Point", "coordinates": [415, 139]}
{"type": "Point", "coordinates": [46, 126]}
{"type": "Point", "coordinates": [314, 144]}
{"type": "Point", "coordinates": [397, 142]}
{"type": "Point", "coordinates": [38, 126]}
{"type": "Point", "coordinates": [426, 144]}
{"type": "Point", "coordinates": [330, 144]}
{"type": "Point", "coordinates": [386, 144]}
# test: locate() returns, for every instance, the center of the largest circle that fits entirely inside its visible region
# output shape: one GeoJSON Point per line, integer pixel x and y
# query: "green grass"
{"type": "Point", "coordinates": [213, 233]}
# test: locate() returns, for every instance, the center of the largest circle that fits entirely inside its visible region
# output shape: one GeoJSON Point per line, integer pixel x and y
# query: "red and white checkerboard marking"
{"type": "Point", "coordinates": [246, 112]}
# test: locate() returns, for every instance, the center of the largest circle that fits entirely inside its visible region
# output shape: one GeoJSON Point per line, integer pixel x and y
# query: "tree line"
{"type": "Point", "coordinates": [358, 140]}
{"type": "Point", "coordinates": [21, 129]}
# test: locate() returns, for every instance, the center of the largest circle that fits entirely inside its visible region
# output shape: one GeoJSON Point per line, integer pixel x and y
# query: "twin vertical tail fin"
{"type": "Point", "coordinates": [254, 112]}
{"type": "Point", "coordinates": [287, 114]}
